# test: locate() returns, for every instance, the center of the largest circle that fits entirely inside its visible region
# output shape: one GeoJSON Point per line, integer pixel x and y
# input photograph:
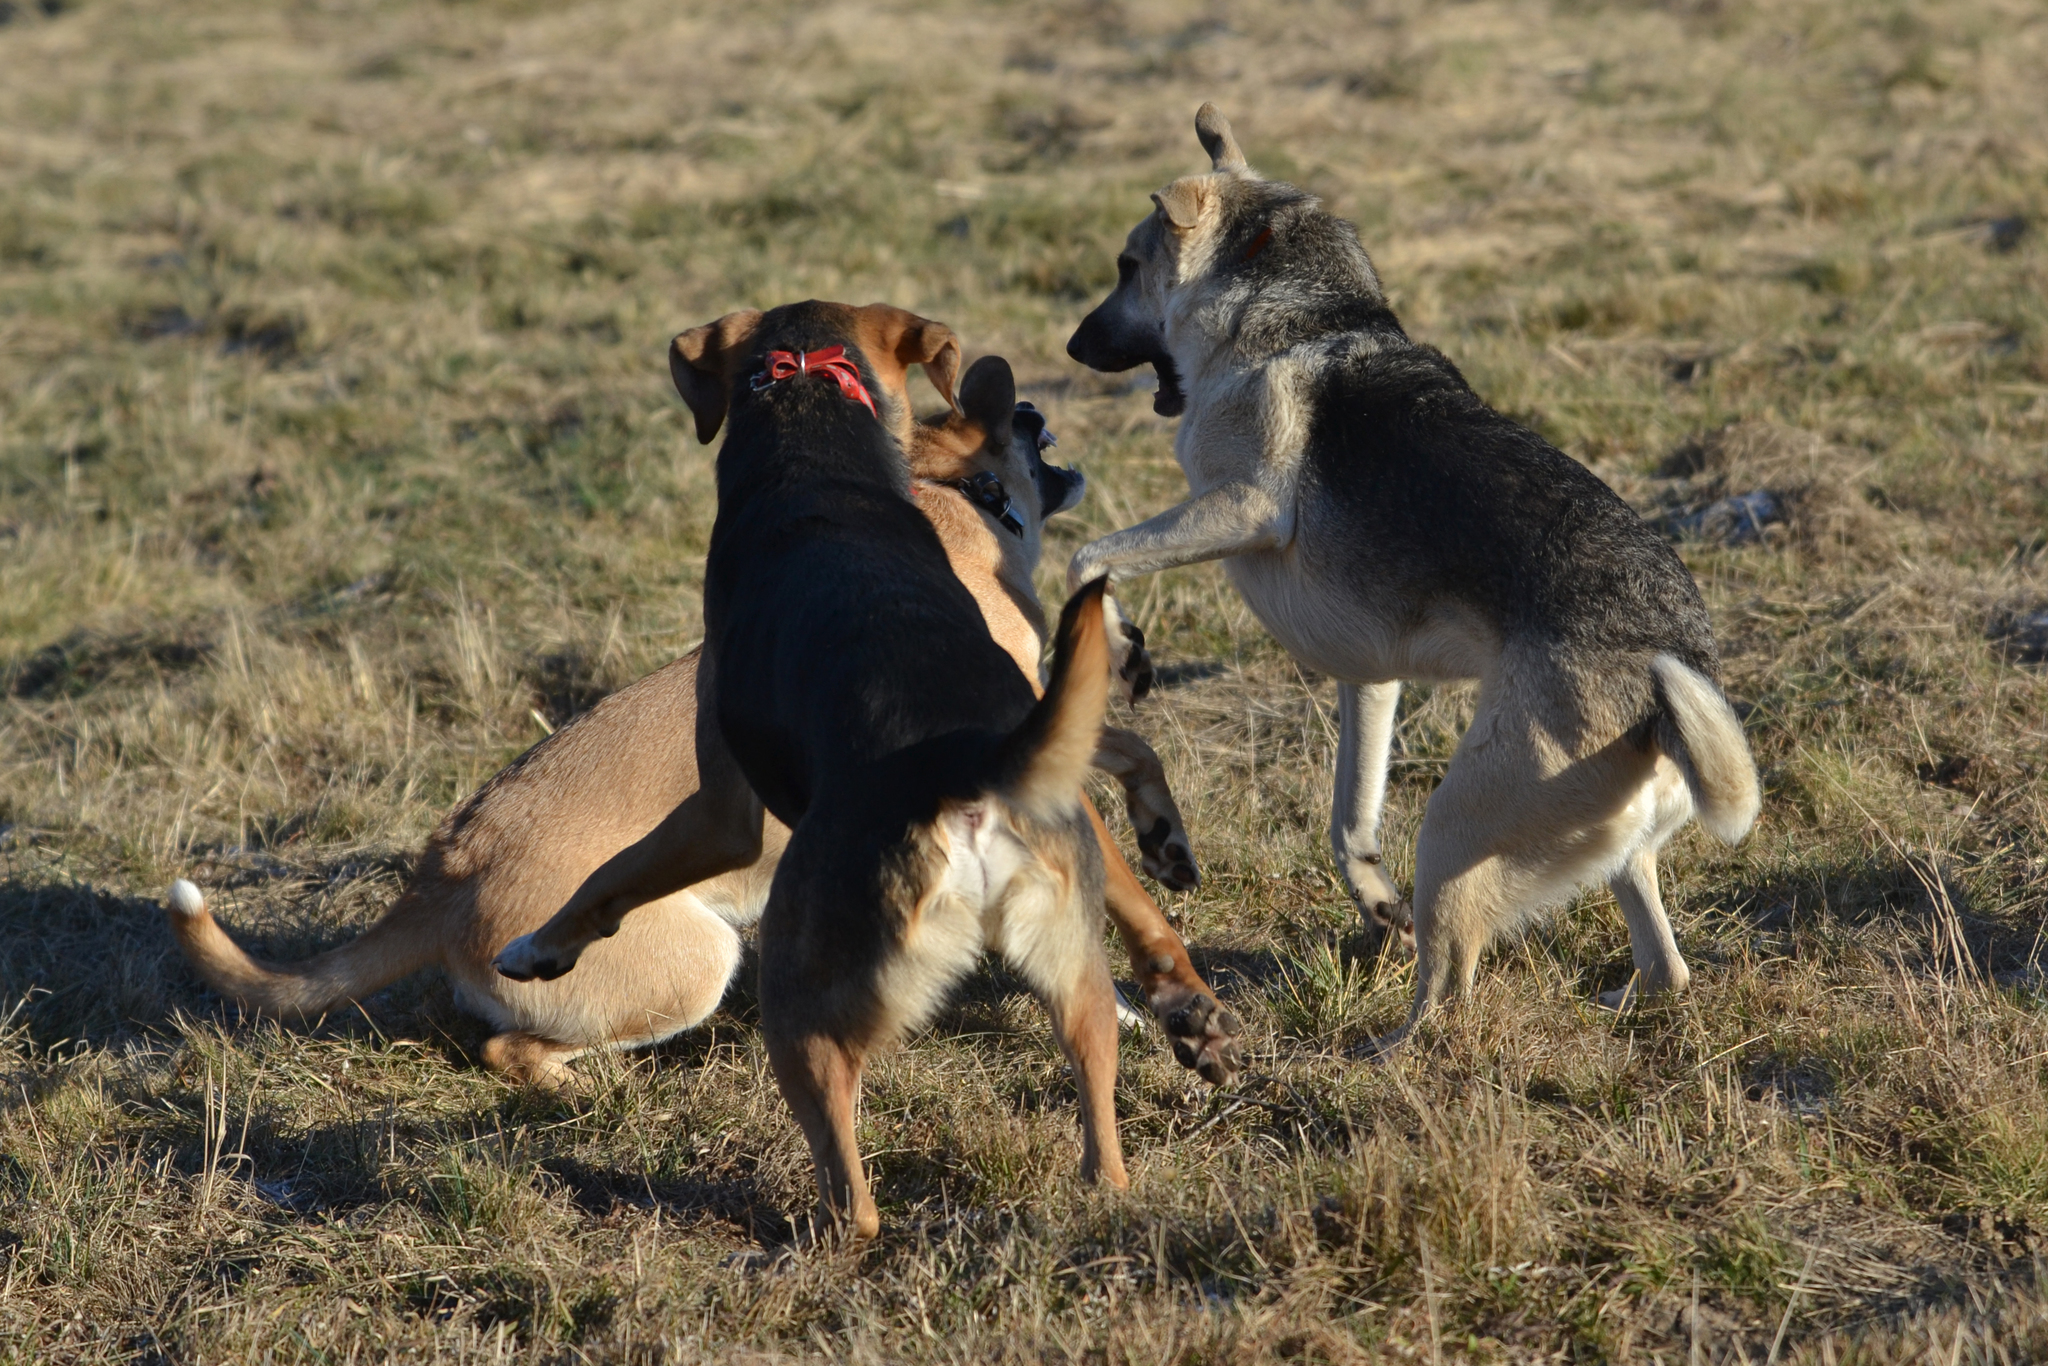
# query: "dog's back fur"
{"type": "Point", "coordinates": [842, 634]}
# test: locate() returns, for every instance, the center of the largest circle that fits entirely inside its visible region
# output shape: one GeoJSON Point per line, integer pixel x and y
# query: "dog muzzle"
{"type": "Point", "coordinates": [828, 361]}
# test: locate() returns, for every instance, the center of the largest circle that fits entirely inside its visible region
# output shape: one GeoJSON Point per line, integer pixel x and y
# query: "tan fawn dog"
{"type": "Point", "coordinates": [518, 847]}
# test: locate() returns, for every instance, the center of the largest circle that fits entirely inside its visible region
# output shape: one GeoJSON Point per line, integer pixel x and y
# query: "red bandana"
{"type": "Point", "coordinates": [828, 360]}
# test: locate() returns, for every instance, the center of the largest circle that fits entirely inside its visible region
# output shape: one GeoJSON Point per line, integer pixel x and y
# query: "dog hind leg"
{"type": "Point", "coordinates": [1463, 897]}
{"type": "Point", "coordinates": [1082, 1003]}
{"type": "Point", "coordinates": [1054, 941]}
{"type": "Point", "coordinates": [1659, 965]}
{"type": "Point", "coordinates": [1514, 822]}
{"type": "Point", "coordinates": [1084, 1022]}
{"type": "Point", "coordinates": [529, 1060]}
{"type": "Point", "coordinates": [1365, 714]}
{"type": "Point", "coordinates": [819, 1078]}
{"type": "Point", "coordinates": [1524, 816]}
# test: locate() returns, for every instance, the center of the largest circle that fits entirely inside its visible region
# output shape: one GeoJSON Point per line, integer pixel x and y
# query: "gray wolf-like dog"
{"type": "Point", "coordinates": [1384, 524]}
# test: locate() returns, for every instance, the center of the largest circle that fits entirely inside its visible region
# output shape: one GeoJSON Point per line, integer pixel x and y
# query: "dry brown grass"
{"type": "Point", "coordinates": [335, 442]}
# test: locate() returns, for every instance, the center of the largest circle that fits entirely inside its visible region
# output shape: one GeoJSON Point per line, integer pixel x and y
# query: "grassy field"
{"type": "Point", "coordinates": [337, 454]}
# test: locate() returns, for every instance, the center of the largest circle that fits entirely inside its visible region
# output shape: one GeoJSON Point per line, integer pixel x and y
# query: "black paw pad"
{"type": "Point", "coordinates": [1224, 1062]}
{"type": "Point", "coordinates": [1204, 1036]}
{"type": "Point", "coordinates": [1137, 670]}
{"type": "Point", "coordinates": [1163, 851]}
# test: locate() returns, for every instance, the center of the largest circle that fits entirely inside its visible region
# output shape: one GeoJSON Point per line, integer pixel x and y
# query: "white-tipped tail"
{"type": "Point", "coordinates": [403, 941]}
{"type": "Point", "coordinates": [1699, 732]}
{"type": "Point", "coordinates": [186, 899]}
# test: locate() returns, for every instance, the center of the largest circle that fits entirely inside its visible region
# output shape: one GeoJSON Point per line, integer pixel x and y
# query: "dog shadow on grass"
{"type": "Point", "coordinates": [734, 1202]}
{"type": "Point", "coordinates": [1931, 915]}
{"type": "Point", "coordinates": [83, 964]}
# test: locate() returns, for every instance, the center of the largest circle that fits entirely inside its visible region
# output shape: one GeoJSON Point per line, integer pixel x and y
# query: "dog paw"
{"type": "Point", "coordinates": [1378, 900]}
{"type": "Point", "coordinates": [523, 961]}
{"type": "Point", "coordinates": [1622, 999]}
{"type": "Point", "coordinates": [1641, 987]}
{"type": "Point", "coordinates": [1204, 1033]}
{"type": "Point", "coordinates": [1385, 1046]}
{"type": "Point", "coordinates": [1127, 653]}
{"type": "Point", "coordinates": [1396, 918]}
{"type": "Point", "coordinates": [1164, 853]}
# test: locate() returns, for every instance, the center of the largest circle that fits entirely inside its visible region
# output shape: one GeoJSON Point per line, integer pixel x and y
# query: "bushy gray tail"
{"type": "Point", "coordinates": [399, 944]}
{"type": "Point", "coordinates": [1698, 731]}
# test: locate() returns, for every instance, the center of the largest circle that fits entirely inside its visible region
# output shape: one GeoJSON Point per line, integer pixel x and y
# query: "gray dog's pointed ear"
{"type": "Point", "coordinates": [701, 362]}
{"type": "Point", "coordinates": [1214, 131]}
{"type": "Point", "coordinates": [1182, 202]}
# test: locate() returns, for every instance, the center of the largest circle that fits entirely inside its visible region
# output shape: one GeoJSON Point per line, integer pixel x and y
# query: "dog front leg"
{"type": "Point", "coordinates": [1163, 844]}
{"type": "Point", "coordinates": [1365, 716]}
{"type": "Point", "coordinates": [1231, 519]}
{"type": "Point", "coordinates": [714, 830]}
{"type": "Point", "coordinates": [708, 834]}
{"type": "Point", "coordinates": [1203, 1031]}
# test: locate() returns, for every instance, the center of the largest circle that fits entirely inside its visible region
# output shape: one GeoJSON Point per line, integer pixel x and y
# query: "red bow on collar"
{"type": "Point", "coordinates": [827, 360]}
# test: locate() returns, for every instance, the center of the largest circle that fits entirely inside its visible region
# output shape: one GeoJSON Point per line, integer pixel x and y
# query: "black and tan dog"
{"type": "Point", "coordinates": [1384, 523]}
{"type": "Point", "coordinates": [933, 798]}
{"type": "Point", "coordinates": [512, 853]}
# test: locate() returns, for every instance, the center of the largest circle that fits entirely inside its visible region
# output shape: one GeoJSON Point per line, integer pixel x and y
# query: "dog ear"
{"type": "Point", "coordinates": [1214, 131]}
{"type": "Point", "coordinates": [988, 395]}
{"type": "Point", "coordinates": [1182, 202]}
{"type": "Point", "coordinates": [908, 340]}
{"type": "Point", "coordinates": [934, 346]}
{"type": "Point", "coordinates": [701, 362]}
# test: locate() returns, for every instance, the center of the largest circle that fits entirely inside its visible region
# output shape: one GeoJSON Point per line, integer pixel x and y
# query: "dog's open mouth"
{"type": "Point", "coordinates": [1169, 401]}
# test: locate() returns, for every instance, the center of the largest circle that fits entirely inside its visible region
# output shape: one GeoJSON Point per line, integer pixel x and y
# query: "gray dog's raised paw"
{"type": "Point", "coordinates": [1396, 918]}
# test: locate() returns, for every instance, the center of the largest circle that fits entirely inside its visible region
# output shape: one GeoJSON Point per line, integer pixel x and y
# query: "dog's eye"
{"type": "Point", "coordinates": [1126, 269]}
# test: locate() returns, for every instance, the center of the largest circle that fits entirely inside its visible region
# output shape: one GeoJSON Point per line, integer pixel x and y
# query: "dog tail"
{"type": "Point", "coordinates": [396, 946]}
{"type": "Point", "coordinates": [1041, 763]}
{"type": "Point", "coordinates": [1698, 731]}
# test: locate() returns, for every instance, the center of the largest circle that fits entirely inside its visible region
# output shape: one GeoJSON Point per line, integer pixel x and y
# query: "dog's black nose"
{"type": "Point", "coordinates": [1086, 343]}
